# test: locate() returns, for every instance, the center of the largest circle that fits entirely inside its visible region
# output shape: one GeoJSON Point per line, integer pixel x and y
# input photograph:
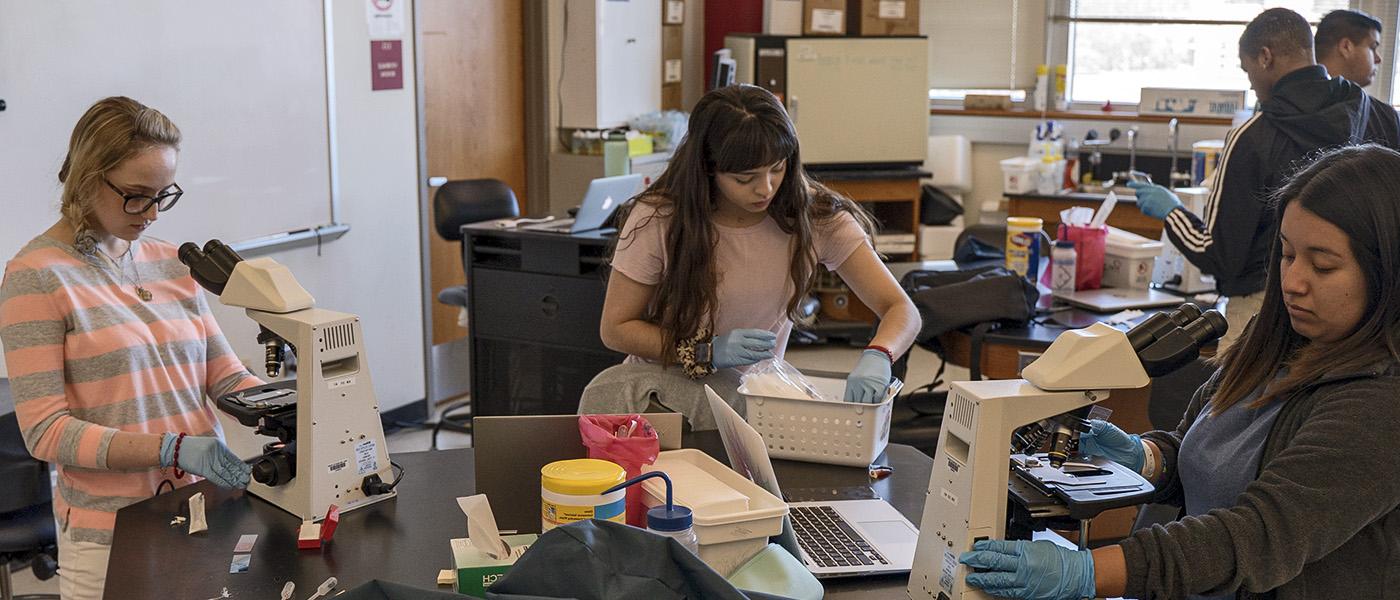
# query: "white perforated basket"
{"type": "Point", "coordinates": [838, 433]}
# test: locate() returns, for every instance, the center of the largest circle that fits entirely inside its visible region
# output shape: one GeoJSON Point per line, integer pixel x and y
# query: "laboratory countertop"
{"type": "Point", "coordinates": [404, 539]}
{"type": "Point", "coordinates": [821, 173]}
{"type": "Point", "coordinates": [1092, 197]}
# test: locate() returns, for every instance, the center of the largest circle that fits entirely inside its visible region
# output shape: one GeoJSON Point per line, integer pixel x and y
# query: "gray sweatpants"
{"type": "Point", "coordinates": [643, 387]}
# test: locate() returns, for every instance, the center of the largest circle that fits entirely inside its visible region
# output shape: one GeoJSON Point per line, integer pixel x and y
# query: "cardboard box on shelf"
{"type": "Point", "coordinates": [824, 17]}
{"type": "Point", "coordinates": [882, 17]}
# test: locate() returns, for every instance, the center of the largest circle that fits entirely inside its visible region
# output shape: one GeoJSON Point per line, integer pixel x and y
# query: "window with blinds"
{"type": "Point", "coordinates": [1117, 47]}
{"type": "Point", "coordinates": [983, 46]}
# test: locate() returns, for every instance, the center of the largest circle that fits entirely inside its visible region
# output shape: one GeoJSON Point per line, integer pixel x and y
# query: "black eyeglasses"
{"type": "Point", "coordinates": [135, 204]}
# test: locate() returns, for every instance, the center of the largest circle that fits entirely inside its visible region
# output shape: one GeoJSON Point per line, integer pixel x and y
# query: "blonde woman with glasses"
{"type": "Point", "coordinates": [111, 349]}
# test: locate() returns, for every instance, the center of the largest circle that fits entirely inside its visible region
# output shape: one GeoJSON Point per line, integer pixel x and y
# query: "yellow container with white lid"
{"type": "Point", "coordinates": [572, 490]}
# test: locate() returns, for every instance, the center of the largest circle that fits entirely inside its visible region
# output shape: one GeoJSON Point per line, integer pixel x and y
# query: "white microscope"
{"type": "Point", "coordinates": [991, 429]}
{"type": "Point", "coordinates": [330, 447]}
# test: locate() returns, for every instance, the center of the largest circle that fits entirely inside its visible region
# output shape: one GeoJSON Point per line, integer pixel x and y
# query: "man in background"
{"type": "Point", "coordinates": [1301, 111]}
{"type": "Point", "coordinates": [1348, 43]}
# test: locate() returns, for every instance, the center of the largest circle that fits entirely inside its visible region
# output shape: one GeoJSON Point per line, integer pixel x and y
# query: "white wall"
{"type": "Point", "coordinates": [374, 270]}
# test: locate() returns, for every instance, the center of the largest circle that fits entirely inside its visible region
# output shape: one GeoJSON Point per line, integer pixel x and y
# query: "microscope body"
{"type": "Point", "coordinates": [967, 494]}
{"type": "Point", "coordinates": [339, 437]}
{"type": "Point", "coordinates": [335, 452]}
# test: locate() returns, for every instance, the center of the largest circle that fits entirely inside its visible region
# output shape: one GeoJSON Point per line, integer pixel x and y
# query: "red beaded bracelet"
{"type": "Point", "coordinates": [883, 349]}
{"type": "Point", "coordinates": [179, 474]}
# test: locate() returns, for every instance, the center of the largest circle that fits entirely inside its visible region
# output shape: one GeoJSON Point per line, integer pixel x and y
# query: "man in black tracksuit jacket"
{"type": "Point", "coordinates": [1301, 111]}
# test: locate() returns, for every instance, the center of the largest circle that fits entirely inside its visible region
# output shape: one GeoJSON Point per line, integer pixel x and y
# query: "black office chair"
{"type": "Point", "coordinates": [464, 202]}
{"type": "Point", "coordinates": [455, 204]}
{"type": "Point", "coordinates": [27, 532]}
{"type": "Point", "coordinates": [992, 234]}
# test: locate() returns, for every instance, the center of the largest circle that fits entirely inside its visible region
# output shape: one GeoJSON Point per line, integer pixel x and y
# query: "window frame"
{"type": "Point", "coordinates": [1059, 37]}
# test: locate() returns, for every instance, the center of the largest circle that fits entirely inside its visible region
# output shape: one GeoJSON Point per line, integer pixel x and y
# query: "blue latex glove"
{"type": "Point", "coordinates": [1107, 440]}
{"type": "Point", "coordinates": [1030, 570]}
{"type": "Point", "coordinates": [206, 457]}
{"type": "Point", "coordinates": [742, 347]}
{"type": "Point", "coordinates": [867, 382]}
{"type": "Point", "coordinates": [1154, 200]}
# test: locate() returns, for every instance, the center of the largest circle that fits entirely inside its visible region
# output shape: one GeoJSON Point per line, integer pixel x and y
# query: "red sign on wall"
{"type": "Point", "coordinates": [386, 64]}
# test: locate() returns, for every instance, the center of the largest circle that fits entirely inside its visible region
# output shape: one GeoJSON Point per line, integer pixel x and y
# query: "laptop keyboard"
{"type": "Point", "coordinates": [829, 540]}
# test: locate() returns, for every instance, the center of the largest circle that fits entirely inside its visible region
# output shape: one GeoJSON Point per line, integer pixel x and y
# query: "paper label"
{"type": "Point", "coordinates": [675, 12]}
{"type": "Point", "coordinates": [950, 566]}
{"type": "Point", "coordinates": [366, 458]}
{"type": "Point", "coordinates": [828, 20]}
{"type": "Point", "coordinates": [554, 514]}
{"type": "Point", "coordinates": [947, 495]}
{"type": "Point", "coordinates": [891, 9]}
{"type": "Point", "coordinates": [386, 19]}
{"type": "Point", "coordinates": [337, 466]}
{"type": "Point", "coordinates": [673, 71]}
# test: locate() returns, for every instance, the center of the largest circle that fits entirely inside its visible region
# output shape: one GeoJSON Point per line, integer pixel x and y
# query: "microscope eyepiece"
{"type": "Point", "coordinates": [1209, 327]}
{"type": "Point", "coordinates": [1178, 345]}
{"type": "Point", "coordinates": [1160, 324]}
{"type": "Point", "coordinates": [212, 266]}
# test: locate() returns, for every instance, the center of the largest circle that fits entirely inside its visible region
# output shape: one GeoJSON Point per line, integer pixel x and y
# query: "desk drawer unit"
{"type": "Point", "coordinates": [551, 309]}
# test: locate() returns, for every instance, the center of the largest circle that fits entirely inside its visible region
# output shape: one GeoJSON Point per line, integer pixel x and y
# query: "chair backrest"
{"type": "Point", "coordinates": [992, 234]}
{"type": "Point", "coordinates": [466, 201]}
{"type": "Point", "coordinates": [26, 478]}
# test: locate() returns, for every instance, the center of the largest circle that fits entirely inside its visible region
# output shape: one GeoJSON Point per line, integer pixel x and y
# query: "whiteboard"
{"type": "Point", "coordinates": [245, 82]}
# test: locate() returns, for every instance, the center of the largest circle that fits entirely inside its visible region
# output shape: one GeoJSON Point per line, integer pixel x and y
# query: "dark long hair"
{"type": "Point", "coordinates": [1354, 188]}
{"type": "Point", "coordinates": [732, 129]}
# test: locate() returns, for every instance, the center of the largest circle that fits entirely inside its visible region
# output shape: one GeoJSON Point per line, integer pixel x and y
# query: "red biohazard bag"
{"type": "Point", "coordinates": [1089, 246]}
{"type": "Point", "coordinates": [628, 440]}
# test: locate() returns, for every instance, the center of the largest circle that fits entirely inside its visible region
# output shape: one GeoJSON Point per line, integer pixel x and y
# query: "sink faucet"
{"type": "Point", "coordinates": [1132, 148]}
{"type": "Point", "coordinates": [1174, 131]}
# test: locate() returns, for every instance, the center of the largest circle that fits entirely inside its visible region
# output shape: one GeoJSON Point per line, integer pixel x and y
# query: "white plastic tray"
{"type": "Point", "coordinates": [727, 539]}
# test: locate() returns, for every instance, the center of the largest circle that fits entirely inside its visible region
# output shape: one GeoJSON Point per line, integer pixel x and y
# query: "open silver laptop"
{"type": "Point", "coordinates": [604, 195]}
{"type": "Point", "coordinates": [837, 538]}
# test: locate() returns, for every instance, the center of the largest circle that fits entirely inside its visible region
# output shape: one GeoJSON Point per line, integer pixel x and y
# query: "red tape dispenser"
{"type": "Point", "coordinates": [313, 535]}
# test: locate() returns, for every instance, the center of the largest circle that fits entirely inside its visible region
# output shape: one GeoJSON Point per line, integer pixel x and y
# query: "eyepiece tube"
{"type": "Point", "coordinates": [1157, 326]}
{"type": "Point", "coordinates": [1209, 327]}
{"type": "Point", "coordinates": [202, 269]}
{"type": "Point", "coordinates": [222, 255]}
{"type": "Point", "coordinates": [1180, 345]}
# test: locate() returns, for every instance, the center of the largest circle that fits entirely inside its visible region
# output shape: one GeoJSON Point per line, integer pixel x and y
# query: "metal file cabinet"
{"type": "Point", "coordinates": [534, 301]}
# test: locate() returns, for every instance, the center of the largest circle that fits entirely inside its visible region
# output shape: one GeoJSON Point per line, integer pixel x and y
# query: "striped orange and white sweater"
{"type": "Point", "coordinates": [88, 358]}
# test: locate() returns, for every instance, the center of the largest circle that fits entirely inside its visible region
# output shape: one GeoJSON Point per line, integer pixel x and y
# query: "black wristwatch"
{"type": "Point", "coordinates": [705, 353]}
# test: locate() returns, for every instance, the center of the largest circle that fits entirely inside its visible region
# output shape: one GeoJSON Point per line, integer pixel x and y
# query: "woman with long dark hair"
{"type": "Point", "coordinates": [1283, 462]}
{"type": "Point", "coordinates": [714, 259]}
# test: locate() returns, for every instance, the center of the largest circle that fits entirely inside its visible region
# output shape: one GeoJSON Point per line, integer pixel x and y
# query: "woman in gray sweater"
{"type": "Point", "coordinates": [1283, 463]}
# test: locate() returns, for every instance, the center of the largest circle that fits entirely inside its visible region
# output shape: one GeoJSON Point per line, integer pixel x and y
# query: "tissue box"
{"type": "Point", "coordinates": [476, 570]}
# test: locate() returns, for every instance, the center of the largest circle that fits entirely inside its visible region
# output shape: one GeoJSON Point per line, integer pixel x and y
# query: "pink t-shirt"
{"type": "Point", "coordinates": [751, 263]}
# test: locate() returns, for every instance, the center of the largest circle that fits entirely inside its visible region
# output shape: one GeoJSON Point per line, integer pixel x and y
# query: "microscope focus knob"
{"type": "Point", "coordinates": [274, 468]}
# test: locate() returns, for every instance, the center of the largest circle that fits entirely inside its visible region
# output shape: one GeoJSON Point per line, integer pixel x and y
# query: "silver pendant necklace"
{"type": "Point", "coordinates": [141, 291]}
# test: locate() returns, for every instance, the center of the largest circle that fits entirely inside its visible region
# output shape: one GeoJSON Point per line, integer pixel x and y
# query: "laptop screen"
{"type": "Point", "coordinates": [604, 195]}
{"type": "Point", "coordinates": [748, 455]}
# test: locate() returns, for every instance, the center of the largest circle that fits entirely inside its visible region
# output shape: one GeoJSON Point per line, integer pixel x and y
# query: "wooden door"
{"type": "Point", "coordinates": [474, 100]}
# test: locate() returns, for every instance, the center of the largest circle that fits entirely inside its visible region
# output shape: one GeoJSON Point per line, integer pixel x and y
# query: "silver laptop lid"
{"type": "Point", "coordinates": [604, 195]}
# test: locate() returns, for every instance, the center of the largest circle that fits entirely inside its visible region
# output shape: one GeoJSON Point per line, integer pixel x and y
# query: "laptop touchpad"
{"type": "Point", "coordinates": [889, 532]}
